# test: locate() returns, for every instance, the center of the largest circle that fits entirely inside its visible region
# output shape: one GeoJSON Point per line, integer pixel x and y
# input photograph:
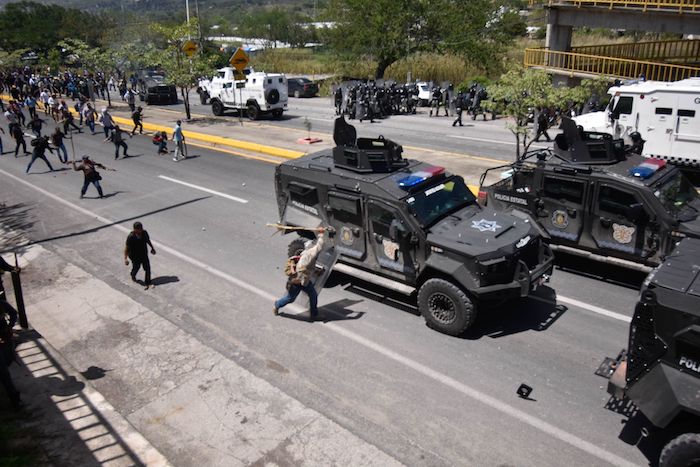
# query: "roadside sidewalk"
{"type": "Point", "coordinates": [194, 404]}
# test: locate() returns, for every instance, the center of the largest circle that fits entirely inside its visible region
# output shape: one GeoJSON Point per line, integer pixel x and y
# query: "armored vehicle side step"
{"type": "Point", "coordinates": [601, 258]}
{"type": "Point", "coordinates": [374, 279]}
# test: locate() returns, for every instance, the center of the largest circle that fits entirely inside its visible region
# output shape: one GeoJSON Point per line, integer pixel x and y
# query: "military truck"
{"type": "Point", "coordinates": [660, 370]}
{"type": "Point", "coordinates": [153, 89]}
{"type": "Point", "coordinates": [595, 199]}
{"type": "Point", "coordinates": [412, 227]}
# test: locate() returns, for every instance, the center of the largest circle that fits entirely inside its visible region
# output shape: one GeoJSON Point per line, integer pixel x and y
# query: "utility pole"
{"type": "Point", "coordinates": [199, 22]}
{"type": "Point", "coordinates": [187, 7]}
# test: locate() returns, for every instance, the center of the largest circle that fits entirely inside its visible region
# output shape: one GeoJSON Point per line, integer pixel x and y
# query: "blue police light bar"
{"type": "Point", "coordinates": [648, 168]}
{"type": "Point", "coordinates": [420, 176]}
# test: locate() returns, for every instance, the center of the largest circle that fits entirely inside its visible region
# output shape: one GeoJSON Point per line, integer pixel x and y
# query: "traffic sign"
{"type": "Point", "coordinates": [239, 60]}
{"type": "Point", "coordinates": [189, 47]}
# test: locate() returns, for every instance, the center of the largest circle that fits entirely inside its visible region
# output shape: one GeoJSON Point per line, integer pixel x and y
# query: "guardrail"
{"type": "Point", "coordinates": [584, 64]}
{"type": "Point", "coordinates": [677, 51]}
{"type": "Point", "coordinates": [680, 6]}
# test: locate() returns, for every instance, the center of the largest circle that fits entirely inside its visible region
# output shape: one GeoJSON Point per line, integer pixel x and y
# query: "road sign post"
{"type": "Point", "coordinates": [239, 60]}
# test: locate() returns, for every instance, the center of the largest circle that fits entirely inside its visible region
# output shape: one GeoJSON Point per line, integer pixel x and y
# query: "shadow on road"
{"type": "Point", "coordinates": [535, 313]}
{"type": "Point", "coordinates": [17, 220]}
{"type": "Point", "coordinates": [617, 275]}
{"type": "Point", "coordinates": [162, 280]}
{"type": "Point", "coordinates": [18, 248]}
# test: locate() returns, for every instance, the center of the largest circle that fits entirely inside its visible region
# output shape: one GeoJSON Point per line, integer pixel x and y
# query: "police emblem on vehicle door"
{"type": "Point", "coordinates": [622, 233]}
{"type": "Point", "coordinates": [346, 236]}
{"type": "Point", "coordinates": [560, 219]}
{"type": "Point", "coordinates": [391, 249]}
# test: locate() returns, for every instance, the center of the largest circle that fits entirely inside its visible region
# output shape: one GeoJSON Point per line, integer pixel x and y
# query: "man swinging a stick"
{"type": "Point", "coordinates": [299, 270]}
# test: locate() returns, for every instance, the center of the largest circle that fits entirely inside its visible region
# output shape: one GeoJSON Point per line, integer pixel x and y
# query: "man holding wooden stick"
{"type": "Point", "coordinates": [299, 269]}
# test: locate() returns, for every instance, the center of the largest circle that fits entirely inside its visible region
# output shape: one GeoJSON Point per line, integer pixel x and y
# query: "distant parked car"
{"type": "Point", "coordinates": [301, 87]}
{"type": "Point", "coordinates": [423, 93]}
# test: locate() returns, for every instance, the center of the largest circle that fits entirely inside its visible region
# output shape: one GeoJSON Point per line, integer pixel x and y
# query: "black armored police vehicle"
{"type": "Point", "coordinates": [660, 370]}
{"type": "Point", "coordinates": [595, 199]}
{"type": "Point", "coordinates": [412, 227]}
{"type": "Point", "coordinates": [153, 89]}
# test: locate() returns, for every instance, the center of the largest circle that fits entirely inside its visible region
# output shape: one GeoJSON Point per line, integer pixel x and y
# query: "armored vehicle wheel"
{"type": "Point", "coordinates": [277, 113]}
{"type": "Point", "coordinates": [217, 108]}
{"type": "Point", "coordinates": [445, 307]}
{"type": "Point", "coordinates": [682, 451]}
{"type": "Point", "coordinates": [296, 246]}
{"type": "Point", "coordinates": [253, 112]}
{"type": "Point", "coordinates": [297, 94]}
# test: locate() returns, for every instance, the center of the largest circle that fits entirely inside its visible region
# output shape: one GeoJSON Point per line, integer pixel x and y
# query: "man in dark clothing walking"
{"type": "Point", "coordinates": [136, 250]}
{"type": "Point", "coordinates": [137, 116]}
{"type": "Point", "coordinates": [459, 106]}
{"type": "Point", "coordinates": [542, 125]}
{"type": "Point", "coordinates": [116, 138]}
{"type": "Point", "coordinates": [18, 135]}
{"type": "Point", "coordinates": [41, 144]}
{"type": "Point", "coordinates": [91, 175]}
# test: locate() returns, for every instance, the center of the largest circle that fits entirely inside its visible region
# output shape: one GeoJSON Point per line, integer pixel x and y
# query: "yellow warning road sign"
{"type": "Point", "coordinates": [239, 60]}
{"type": "Point", "coordinates": [189, 47]}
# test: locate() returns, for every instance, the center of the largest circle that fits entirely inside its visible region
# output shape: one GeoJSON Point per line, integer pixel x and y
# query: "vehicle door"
{"type": "Point", "coordinates": [620, 222]}
{"type": "Point", "coordinates": [658, 133]}
{"type": "Point", "coordinates": [393, 241]}
{"type": "Point", "coordinates": [686, 141]}
{"type": "Point", "coordinates": [228, 92]}
{"type": "Point", "coordinates": [626, 115]}
{"type": "Point", "coordinates": [345, 216]}
{"type": "Point", "coordinates": [561, 207]}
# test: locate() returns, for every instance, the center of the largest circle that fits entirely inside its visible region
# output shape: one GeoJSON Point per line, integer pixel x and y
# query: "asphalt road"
{"type": "Point", "coordinates": [489, 138]}
{"type": "Point", "coordinates": [372, 366]}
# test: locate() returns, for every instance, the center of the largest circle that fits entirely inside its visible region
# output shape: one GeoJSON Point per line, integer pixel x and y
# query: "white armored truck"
{"type": "Point", "coordinates": [666, 115]}
{"type": "Point", "coordinates": [258, 94]}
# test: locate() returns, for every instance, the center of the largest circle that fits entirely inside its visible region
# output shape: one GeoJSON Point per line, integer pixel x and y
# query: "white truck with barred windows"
{"type": "Point", "coordinates": [258, 94]}
{"type": "Point", "coordinates": [666, 115]}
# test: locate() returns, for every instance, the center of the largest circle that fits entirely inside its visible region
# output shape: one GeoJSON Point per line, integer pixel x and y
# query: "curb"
{"type": "Point", "coordinates": [220, 140]}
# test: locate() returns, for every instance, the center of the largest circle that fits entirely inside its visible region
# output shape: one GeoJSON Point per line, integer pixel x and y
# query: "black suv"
{"type": "Point", "coordinates": [595, 199]}
{"type": "Point", "coordinates": [412, 227]}
{"type": "Point", "coordinates": [660, 371]}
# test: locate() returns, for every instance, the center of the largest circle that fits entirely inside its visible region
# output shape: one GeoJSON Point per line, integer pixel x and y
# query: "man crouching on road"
{"type": "Point", "coordinates": [300, 276]}
{"type": "Point", "coordinates": [136, 251]}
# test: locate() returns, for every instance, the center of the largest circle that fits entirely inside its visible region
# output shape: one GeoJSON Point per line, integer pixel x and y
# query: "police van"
{"type": "Point", "coordinates": [666, 115]}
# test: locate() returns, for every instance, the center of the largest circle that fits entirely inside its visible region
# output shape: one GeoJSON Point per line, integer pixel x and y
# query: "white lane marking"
{"type": "Point", "coordinates": [484, 140]}
{"type": "Point", "coordinates": [594, 309]}
{"type": "Point", "coordinates": [468, 391]}
{"type": "Point", "coordinates": [206, 190]}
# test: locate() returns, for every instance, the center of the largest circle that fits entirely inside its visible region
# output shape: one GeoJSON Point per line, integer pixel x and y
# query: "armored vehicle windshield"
{"type": "Point", "coordinates": [438, 201]}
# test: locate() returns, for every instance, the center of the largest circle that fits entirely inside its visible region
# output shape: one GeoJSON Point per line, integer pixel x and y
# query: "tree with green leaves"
{"type": "Point", "coordinates": [389, 30]}
{"type": "Point", "coordinates": [39, 27]}
{"type": "Point", "coordinates": [181, 70]}
{"type": "Point", "coordinates": [93, 58]}
{"type": "Point", "coordinates": [520, 90]}
{"type": "Point", "coordinates": [515, 94]}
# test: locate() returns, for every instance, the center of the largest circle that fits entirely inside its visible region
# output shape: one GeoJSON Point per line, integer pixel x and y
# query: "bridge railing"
{"type": "Point", "coordinates": [586, 64]}
{"type": "Point", "coordinates": [645, 5]}
{"type": "Point", "coordinates": [677, 51]}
